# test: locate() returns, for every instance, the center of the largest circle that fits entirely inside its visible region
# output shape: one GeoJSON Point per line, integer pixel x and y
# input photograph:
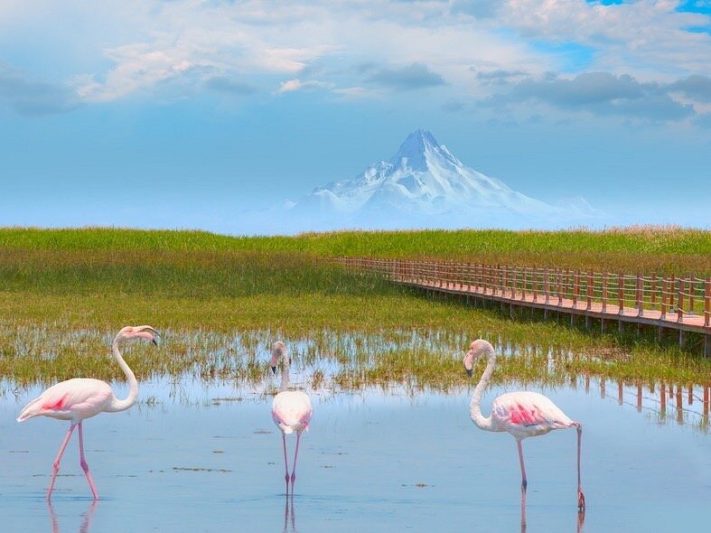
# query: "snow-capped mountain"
{"type": "Point", "coordinates": [424, 177]}
{"type": "Point", "coordinates": [423, 185]}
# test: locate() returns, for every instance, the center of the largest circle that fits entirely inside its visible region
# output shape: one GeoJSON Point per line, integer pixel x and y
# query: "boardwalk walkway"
{"type": "Point", "coordinates": [681, 304]}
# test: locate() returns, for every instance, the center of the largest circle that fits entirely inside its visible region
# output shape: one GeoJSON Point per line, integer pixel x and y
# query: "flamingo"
{"type": "Point", "coordinates": [523, 414]}
{"type": "Point", "coordinates": [291, 409]}
{"type": "Point", "coordinates": [80, 398]}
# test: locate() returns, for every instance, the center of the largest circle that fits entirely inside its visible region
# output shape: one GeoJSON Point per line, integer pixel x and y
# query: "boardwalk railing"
{"type": "Point", "coordinates": [682, 303]}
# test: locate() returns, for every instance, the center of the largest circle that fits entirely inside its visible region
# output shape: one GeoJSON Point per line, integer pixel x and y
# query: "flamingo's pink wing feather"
{"type": "Point", "coordinates": [529, 411]}
{"type": "Point", "coordinates": [71, 399]}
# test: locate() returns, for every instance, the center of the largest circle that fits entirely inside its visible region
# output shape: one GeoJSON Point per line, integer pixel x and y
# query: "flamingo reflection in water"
{"type": "Point", "coordinates": [522, 414]}
{"type": "Point", "coordinates": [85, 526]}
{"type": "Point", "coordinates": [289, 516]}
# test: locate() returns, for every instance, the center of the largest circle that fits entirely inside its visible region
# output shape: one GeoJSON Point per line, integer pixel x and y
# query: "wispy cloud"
{"type": "Point", "coordinates": [601, 93]}
{"type": "Point", "coordinates": [31, 97]}
{"type": "Point", "coordinates": [414, 76]}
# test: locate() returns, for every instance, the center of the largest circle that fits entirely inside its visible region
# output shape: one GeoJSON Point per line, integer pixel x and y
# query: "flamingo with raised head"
{"type": "Point", "coordinates": [522, 414]}
{"type": "Point", "coordinates": [291, 409]}
{"type": "Point", "coordinates": [80, 398]}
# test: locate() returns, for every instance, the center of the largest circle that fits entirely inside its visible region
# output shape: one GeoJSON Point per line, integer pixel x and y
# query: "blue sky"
{"type": "Point", "coordinates": [187, 113]}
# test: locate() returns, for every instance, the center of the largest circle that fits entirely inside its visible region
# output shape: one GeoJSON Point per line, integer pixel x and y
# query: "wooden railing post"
{"type": "Point", "coordinates": [638, 295]}
{"type": "Point", "coordinates": [692, 290]}
{"type": "Point", "coordinates": [559, 274]}
{"type": "Point", "coordinates": [621, 293]}
{"type": "Point", "coordinates": [546, 284]}
{"type": "Point", "coordinates": [672, 287]}
{"type": "Point", "coordinates": [707, 302]}
{"type": "Point", "coordinates": [665, 289]}
{"type": "Point", "coordinates": [654, 290]}
{"type": "Point", "coordinates": [576, 288]}
{"type": "Point", "coordinates": [604, 292]}
{"type": "Point", "coordinates": [590, 290]}
{"type": "Point", "coordinates": [680, 302]}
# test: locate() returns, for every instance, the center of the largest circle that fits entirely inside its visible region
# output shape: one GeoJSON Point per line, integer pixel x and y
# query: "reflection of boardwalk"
{"type": "Point", "coordinates": [681, 304]}
{"type": "Point", "coordinates": [663, 401]}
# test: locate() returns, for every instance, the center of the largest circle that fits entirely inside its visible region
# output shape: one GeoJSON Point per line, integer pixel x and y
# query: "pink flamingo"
{"type": "Point", "coordinates": [80, 398]}
{"type": "Point", "coordinates": [523, 414]}
{"type": "Point", "coordinates": [291, 410]}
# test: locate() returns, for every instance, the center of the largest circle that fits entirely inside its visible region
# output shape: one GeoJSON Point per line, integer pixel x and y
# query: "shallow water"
{"type": "Point", "coordinates": [207, 457]}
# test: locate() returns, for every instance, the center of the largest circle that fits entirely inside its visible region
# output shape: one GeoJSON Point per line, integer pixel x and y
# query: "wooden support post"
{"type": "Point", "coordinates": [620, 392]}
{"type": "Point", "coordinates": [681, 339]}
{"type": "Point", "coordinates": [602, 325]}
{"type": "Point", "coordinates": [587, 321]}
{"type": "Point", "coordinates": [638, 295]}
{"type": "Point", "coordinates": [511, 311]}
{"type": "Point", "coordinates": [680, 302]}
{"type": "Point", "coordinates": [639, 397]}
{"type": "Point", "coordinates": [672, 287]}
{"type": "Point", "coordinates": [707, 345]}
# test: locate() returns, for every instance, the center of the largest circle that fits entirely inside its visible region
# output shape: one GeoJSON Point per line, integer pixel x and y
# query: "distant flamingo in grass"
{"type": "Point", "coordinates": [291, 410]}
{"type": "Point", "coordinates": [522, 414]}
{"type": "Point", "coordinates": [80, 398]}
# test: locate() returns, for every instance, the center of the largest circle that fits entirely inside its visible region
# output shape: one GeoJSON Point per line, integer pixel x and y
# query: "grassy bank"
{"type": "Point", "coordinates": [63, 294]}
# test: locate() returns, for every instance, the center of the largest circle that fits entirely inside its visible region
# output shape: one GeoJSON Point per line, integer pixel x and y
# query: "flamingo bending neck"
{"type": "Point", "coordinates": [480, 420]}
{"type": "Point", "coordinates": [121, 405]}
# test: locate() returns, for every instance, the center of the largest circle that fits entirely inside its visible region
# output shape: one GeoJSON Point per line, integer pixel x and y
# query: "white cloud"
{"type": "Point", "coordinates": [142, 46]}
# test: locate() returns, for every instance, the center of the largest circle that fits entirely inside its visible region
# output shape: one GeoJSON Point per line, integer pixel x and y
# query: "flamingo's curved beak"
{"type": "Point", "coordinates": [273, 370]}
{"type": "Point", "coordinates": [469, 372]}
{"type": "Point", "coordinates": [154, 341]}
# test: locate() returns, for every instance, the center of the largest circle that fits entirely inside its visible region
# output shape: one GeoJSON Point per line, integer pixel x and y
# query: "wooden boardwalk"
{"type": "Point", "coordinates": [680, 304]}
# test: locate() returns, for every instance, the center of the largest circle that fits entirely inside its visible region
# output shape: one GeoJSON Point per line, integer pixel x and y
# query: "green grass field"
{"type": "Point", "coordinates": [643, 249]}
{"type": "Point", "coordinates": [64, 293]}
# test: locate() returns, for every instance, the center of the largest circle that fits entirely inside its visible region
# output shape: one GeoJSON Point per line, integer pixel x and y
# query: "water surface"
{"type": "Point", "coordinates": [205, 456]}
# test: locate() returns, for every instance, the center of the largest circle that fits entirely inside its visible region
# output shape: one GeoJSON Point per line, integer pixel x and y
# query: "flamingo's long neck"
{"type": "Point", "coordinates": [475, 407]}
{"type": "Point", "coordinates": [284, 376]}
{"type": "Point", "coordinates": [122, 405]}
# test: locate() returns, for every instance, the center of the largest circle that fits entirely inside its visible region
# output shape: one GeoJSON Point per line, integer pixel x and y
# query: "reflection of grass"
{"type": "Point", "coordinates": [420, 358]}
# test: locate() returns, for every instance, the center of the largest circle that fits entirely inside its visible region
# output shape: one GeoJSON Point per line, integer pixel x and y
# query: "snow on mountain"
{"type": "Point", "coordinates": [422, 185]}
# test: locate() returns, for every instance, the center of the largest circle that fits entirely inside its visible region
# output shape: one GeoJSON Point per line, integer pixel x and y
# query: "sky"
{"type": "Point", "coordinates": [187, 114]}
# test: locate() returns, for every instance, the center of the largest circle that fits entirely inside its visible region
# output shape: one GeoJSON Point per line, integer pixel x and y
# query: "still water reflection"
{"type": "Point", "coordinates": [204, 456]}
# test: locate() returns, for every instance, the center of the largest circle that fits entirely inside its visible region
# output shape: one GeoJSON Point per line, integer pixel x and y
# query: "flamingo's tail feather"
{"type": "Point", "coordinates": [30, 410]}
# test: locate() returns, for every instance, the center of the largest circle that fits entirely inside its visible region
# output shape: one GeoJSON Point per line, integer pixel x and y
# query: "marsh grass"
{"type": "Point", "coordinates": [220, 301]}
{"type": "Point", "coordinates": [663, 250]}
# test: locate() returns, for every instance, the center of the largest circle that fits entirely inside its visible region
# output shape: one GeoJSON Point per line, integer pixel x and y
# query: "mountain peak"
{"type": "Point", "coordinates": [413, 150]}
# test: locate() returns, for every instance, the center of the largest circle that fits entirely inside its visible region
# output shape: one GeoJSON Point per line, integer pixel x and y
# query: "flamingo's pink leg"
{"type": "Point", "coordinates": [524, 483]}
{"type": "Point", "coordinates": [296, 454]}
{"type": "Point", "coordinates": [286, 462]}
{"type": "Point", "coordinates": [581, 496]}
{"type": "Point", "coordinates": [58, 459]}
{"type": "Point", "coordinates": [85, 465]}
